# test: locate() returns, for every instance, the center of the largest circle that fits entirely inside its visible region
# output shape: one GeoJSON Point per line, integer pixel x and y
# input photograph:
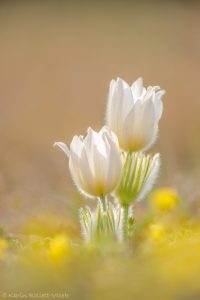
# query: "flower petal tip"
{"type": "Point", "coordinates": [63, 147]}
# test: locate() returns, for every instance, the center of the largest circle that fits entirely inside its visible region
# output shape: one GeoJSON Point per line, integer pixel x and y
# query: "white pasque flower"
{"type": "Point", "coordinates": [133, 113]}
{"type": "Point", "coordinates": [94, 161]}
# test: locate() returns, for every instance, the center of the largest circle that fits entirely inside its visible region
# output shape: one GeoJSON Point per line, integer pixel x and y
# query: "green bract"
{"type": "Point", "coordinates": [101, 225]}
{"type": "Point", "coordinates": [138, 176]}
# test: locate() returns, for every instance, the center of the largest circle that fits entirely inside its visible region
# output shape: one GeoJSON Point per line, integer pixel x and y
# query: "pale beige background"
{"type": "Point", "coordinates": [56, 61]}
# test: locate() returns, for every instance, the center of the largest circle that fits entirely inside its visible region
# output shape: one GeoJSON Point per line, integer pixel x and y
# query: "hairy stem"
{"type": "Point", "coordinates": [125, 209]}
{"type": "Point", "coordinates": [104, 203]}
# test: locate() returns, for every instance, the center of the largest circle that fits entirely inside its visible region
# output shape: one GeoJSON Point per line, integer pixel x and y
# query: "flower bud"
{"type": "Point", "coordinates": [100, 225]}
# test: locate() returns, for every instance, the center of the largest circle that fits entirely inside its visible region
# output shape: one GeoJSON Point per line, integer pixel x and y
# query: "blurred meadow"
{"type": "Point", "coordinates": [56, 61]}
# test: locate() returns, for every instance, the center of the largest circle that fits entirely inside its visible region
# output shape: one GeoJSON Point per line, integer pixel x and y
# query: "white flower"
{"type": "Point", "coordinates": [139, 174]}
{"type": "Point", "coordinates": [133, 113]}
{"type": "Point", "coordinates": [94, 161]}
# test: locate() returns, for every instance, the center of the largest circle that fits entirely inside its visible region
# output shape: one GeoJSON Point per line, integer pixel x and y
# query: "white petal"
{"type": "Point", "coordinates": [76, 145]}
{"type": "Point", "coordinates": [139, 126]}
{"type": "Point", "coordinates": [115, 168]}
{"type": "Point", "coordinates": [63, 147]}
{"type": "Point", "coordinates": [137, 88]}
{"type": "Point", "coordinates": [100, 163]}
{"type": "Point", "coordinates": [120, 102]}
{"type": "Point", "coordinates": [79, 166]}
{"type": "Point", "coordinates": [148, 117]}
{"type": "Point", "coordinates": [123, 82]}
{"type": "Point", "coordinates": [158, 103]}
{"type": "Point", "coordinates": [114, 161]}
{"type": "Point", "coordinates": [87, 174]}
{"type": "Point", "coordinates": [75, 173]}
{"type": "Point", "coordinates": [132, 128]}
{"type": "Point", "coordinates": [127, 102]}
{"type": "Point", "coordinates": [113, 105]}
{"type": "Point", "coordinates": [105, 131]}
{"type": "Point", "coordinates": [88, 140]}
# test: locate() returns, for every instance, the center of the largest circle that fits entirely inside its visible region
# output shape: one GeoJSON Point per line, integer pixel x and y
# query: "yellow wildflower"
{"type": "Point", "coordinates": [59, 248]}
{"type": "Point", "coordinates": [3, 247]}
{"type": "Point", "coordinates": [164, 199]}
{"type": "Point", "coordinates": [156, 231]}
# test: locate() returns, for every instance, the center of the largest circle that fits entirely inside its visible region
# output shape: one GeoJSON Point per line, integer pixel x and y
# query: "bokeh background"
{"type": "Point", "coordinates": [56, 61]}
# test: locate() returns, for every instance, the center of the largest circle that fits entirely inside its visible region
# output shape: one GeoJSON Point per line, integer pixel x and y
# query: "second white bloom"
{"type": "Point", "coordinates": [133, 113]}
{"type": "Point", "coordinates": [94, 161]}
